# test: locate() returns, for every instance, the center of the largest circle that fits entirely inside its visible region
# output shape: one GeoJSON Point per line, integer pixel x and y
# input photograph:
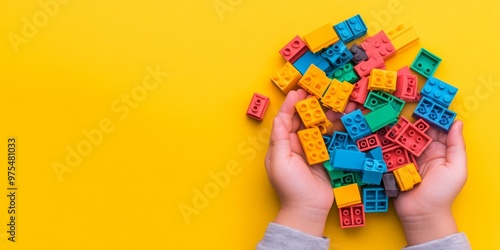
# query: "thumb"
{"type": "Point", "coordinates": [456, 156]}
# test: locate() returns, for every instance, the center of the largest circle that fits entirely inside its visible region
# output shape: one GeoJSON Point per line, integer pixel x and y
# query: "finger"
{"type": "Point", "coordinates": [351, 106]}
{"type": "Point", "coordinates": [279, 148]}
{"type": "Point", "coordinates": [455, 153]}
{"type": "Point", "coordinates": [333, 115]}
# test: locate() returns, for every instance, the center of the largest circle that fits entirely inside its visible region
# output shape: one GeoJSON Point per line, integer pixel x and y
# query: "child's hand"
{"type": "Point", "coordinates": [305, 191]}
{"type": "Point", "coordinates": [425, 211]}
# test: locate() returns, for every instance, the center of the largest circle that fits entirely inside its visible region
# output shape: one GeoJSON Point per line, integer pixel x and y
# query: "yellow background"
{"type": "Point", "coordinates": [126, 193]}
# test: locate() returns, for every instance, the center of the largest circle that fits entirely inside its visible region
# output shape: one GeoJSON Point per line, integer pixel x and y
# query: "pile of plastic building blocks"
{"type": "Point", "coordinates": [376, 157]}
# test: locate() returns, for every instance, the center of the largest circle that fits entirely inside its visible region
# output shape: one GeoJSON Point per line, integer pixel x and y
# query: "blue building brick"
{"type": "Point", "coordinates": [303, 63]}
{"type": "Point", "coordinates": [344, 32]}
{"type": "Point", "coordinates": [439, 91]}
{"type": "Point", "coordinates": [343, 159]}
{"type": "Point", "coordinates": [337, 55]}
{"type": "Point", "coordinates": [373, 171]}
{"type": "Point", "coordinates": [375, 154]}
{"type": "Point", "coordinates": [434, 114]}
{"type": "Point", "coordinates": [375, 200]}
{"type": "Point", "coordinates": [357, 26]}
{"type": "Point", "coordinates": [356, 125]}
{"type": "Point", "coordinates": [327, 139]}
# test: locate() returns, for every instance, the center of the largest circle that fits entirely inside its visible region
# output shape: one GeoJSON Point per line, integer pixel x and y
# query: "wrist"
{"type": "Point", "coordinates": [307, 220]}
{"type": "Point", "coordinates": [427, 227]}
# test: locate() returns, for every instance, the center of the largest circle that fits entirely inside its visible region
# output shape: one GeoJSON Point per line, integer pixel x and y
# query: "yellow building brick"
{"type": "Point", "coordinates": [321, 38]}
{"type": "Point", "coordinates": [347, 195]}
{"type": "Point", "coordinates": [382, 80]}
{"type": "Point", "coordinates": [407, 176]}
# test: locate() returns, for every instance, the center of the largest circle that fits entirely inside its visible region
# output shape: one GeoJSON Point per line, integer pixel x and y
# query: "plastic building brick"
{"type": "Point", "coordinates": [337, 95]}
{"type": "Point", "coordinates": [414, 140]}
{"type": "Point", "coordinates": [403, 36]}
{"type": "Point", "coordinates": [381, 133]}
{"type": "Point", "coordinates": [294, 49]}
{"type": "Point", "coordinates": [407, 176]}
{"type": "Point", "coordinates": [347, 195]}
{"type": "Point", "coordinates": [425, 63]}
{"type": "Point", "coordinates": [439, 91]}
{"type": "Point", "coordinates": [395, 157]}
{"type": "Point", "coordinates": [346, 73]}
{"type": "Point", "coordinates": [350, 160]}
{"type": "Point", "coordinates": [376, 100]}
{"type": "Point", "coordinates": [379, 43]}
{"type": "Point", "coordinates": [352, 216]}
{"type": "Point", "coordinates": [373, 171]}
{"type": "Point", "coordinates": [338, 177]}
{"type": "Point", "coordinates": [343, 32]}
{"type": "Point", "coordinates": [381, 117]}
{"type": "Point", "coordinates": [375, 200]}
{"type": "Point", "coordinates": [406, 85]}
{"type": "Point", "coordinates": [391, 190]}
{"type": "Point", "coordinates": [314, 81]}
{"type": "Point", "coordinates": [356, 125]}
{"type": "Point", "coordinates": [321, 38]}
{"type": "Point", "coordinates": [397, 129]}
{"type": "Point", "coordinates": [327, 139]}
{"type": "Point", "coordinates": [286, 78]}
{"type": "Point", "coordinates": [360, 91]}
{"type": "Point", "coordinates": [258, 107]}
{"type": "Point", "coordinates": [357, 176]}
{"type": "Point", "coordinates": [337, 55]}
{"type": "Point", "coordinates": [368, 143]}
{"type": "Point", "coordinates": [421, 125]}
{"type": "Point", "coordinates": [375, 61]}
{"type": "Point", "coordinates": [339, 141]}
{"type": "Point", "coordinates": [434, 114]}
{"type": "Point", "coordinates": [313, 145]}
{"type": "Point", "coordinates": [375, 153]}
{"type": "Point", "coordinates": [383, 80]}
{"type": "Point", "coordinates": [325, 127]}
{"type": "Point", "coordinates": [310, 112]}
{"type": "Point", "coordinates": [303, 63]}
{"type": "Point", "coordinates": [358, 54]}
{"type": "Point", "coordinates": [357, 26]}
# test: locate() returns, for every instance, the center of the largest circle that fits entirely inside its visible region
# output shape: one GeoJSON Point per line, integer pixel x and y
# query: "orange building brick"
{"type": "Point", "coordinates": [313, 145]}
{"type": "Point", "coordinates": [286, 78]}
{"type": "Point", "coordinates": [315, 81]}
{"type": "Point", "coordinates": [337, 95]}
{"type": "Point", "coordinates": [310, 112]}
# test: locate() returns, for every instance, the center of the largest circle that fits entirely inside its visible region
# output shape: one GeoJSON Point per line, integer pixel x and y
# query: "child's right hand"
{"type": "Point", "coordinates": [425, 211]}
